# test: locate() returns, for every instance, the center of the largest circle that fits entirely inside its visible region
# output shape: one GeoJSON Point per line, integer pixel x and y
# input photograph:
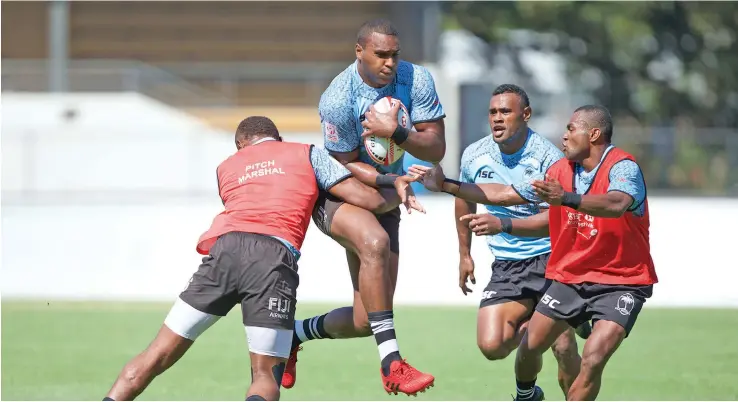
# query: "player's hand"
{"type": "Point", "coordinates": [549, 190]}
{"type": "Point", "coordinates": [406, 193]}
{"type": "Point", "coordinates": [381, 124]}
{"type": "Point", "coordinates": [466, 273]}
{"type": "Point", "coordinates": [431, 177]}
{"type": "Point", "coordinates": [483, 224]}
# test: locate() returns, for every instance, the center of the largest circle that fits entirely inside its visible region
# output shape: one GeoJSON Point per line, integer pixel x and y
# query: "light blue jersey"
{"type": "Point", "coordinates": [625, 176]}
{"type": "Point", "coordinates": [346, 100]}
{"type": "Point", "coordinates": [483, 162]}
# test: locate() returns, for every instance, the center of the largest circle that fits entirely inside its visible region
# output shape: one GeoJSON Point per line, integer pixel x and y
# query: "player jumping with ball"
{"type": "Point", "coordinates": [371, 241]}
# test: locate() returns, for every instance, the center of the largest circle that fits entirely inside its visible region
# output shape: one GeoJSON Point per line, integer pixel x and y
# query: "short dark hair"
{"type": "Point", "coordinates": [379, 25]}
{"type": "Point", "coordinates": [598, 117]}
{"type": "Point", "coordinates": [256, 126]}
{"type": "Point", "coordinates": [513, 89]}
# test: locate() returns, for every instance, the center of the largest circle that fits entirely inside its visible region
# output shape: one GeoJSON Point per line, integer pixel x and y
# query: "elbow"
{"type": "Point", "coordinates": [615, 211]}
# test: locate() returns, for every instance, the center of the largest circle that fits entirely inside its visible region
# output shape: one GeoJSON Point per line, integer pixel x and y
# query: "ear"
{"type": "Point", "coordinates": [359, 50]}
{"type": "Point", "coordinates": [527, 112]}
{"type": "Point", "coordinates": [594, 135]}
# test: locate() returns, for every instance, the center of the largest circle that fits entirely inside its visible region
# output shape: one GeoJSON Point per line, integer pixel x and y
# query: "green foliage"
{"type": "Point", "coordinates": [659, 60]}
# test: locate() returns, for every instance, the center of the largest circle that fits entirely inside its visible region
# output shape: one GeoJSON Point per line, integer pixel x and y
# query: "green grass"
{"type": "Point", "coordinates": [74, 351]}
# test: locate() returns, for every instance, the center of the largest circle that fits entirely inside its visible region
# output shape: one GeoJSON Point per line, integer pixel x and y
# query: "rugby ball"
{"type": "Point", "coordinates": [381, 150]}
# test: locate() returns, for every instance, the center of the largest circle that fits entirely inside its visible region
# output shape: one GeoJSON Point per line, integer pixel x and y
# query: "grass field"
{"type": "Point", "coordinates": [74, 351]}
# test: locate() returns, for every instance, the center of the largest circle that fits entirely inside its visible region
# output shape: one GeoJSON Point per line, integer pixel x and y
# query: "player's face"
{"type": "Point", "coordinates": [507, 117]}
{"type": "Point", "coordinates": [378, 60]}
{"type": "Point", "coordinates": [576, 139]}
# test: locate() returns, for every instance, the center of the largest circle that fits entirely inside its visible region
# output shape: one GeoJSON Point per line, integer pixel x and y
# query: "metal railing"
{"type": "Point", "coordinates": [180, 84]}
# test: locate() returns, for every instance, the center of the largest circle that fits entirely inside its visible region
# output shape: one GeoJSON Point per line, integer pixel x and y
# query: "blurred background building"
{"type": "Point", "coordinates": [192, 70]}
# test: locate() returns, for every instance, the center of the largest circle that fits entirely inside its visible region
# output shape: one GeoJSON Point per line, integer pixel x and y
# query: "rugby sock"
{"type": "Point", "coordinates": [525, 389]}
{"type": "Point", "coordinates": [255, 398]}
{"type": "Point", "coordinates": [383, 327]}
{"type": "Point", "coordinates": [312, 328]}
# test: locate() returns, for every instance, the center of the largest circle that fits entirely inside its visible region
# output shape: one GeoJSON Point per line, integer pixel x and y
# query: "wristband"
{"type": "Point", "coordinates": [506, 224]}
{"type": "Point", "coordinates": [400, 134]}
{"type": "Point", "coordinates": [384, 180]}
{"type": "Point", "coordinates": [571, 200]}
{"type": "Point", "coordinates": [452, 181]}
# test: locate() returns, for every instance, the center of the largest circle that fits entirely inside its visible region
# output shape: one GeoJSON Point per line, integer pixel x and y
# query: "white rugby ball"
{"type": "Point", "coordinates": [384, 151]}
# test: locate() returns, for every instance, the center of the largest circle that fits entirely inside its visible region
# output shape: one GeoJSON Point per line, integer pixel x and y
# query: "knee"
{"type": "Point", "coordinates": [535, 342]}
{"type": "Point", "coordinates": [362, 326]}
{"type": "Point", "coordinates": [493, 349]}
{"type": "Point", "coordinates": [140, 370]}
{"type": "Point", "coordinates": [374, 245]}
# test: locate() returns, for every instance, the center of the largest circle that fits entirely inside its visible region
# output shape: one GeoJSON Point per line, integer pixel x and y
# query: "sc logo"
{"type": "Point", "coordinates": [486, 174]}
{"type": "Point", "coordinates": [549, 301]}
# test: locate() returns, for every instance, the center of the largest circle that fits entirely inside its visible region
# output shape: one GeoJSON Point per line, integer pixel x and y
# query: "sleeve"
{"type": "Point", "coordinates": [626, 176]}
{"type": "Point", "coordinates": [550, 156]}
{"type": "Point", "coordinates": [425, 103]}
{"type": "Point", "coordinates": [328, 171]}
{"type": "Point", "coordinates": [525, 189]}
{"type": "Point", "coordinates": [465, 175]}
{"type": "Point", "coordinates": [338, 123]}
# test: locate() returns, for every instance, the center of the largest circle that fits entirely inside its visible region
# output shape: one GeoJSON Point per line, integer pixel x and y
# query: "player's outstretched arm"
{"type": "Point", "coordinates": [335, 178]}
{"type": "Point", "coordinates": [489, 194]}
{"type": "Point", "coordinates": [379, 201]}
{"type": "Point", "coordinates": [626, 192]}
{"type": "Point", "coordinates": [488, 224]}
{"type": "Point", "coordinates": [610, 205]}
{"type": "Point", "coordinates": [352, 191]}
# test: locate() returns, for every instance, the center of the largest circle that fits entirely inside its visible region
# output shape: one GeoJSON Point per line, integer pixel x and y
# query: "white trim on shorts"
{"type": "Point", "coordinates": [187, 321]}
{"type": "Point", "coordinates": [269, 341]}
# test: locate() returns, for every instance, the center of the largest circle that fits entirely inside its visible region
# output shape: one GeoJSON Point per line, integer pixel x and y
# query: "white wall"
{"type": "Point", "coordinates": [147, 252]}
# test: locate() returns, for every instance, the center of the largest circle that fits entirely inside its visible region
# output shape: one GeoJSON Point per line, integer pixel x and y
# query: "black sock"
{"type": "Point", "coordinates": [525, 389]}
{"type": "Point", "coordinates": [255, 398]}
{"type": "Point", "coordinates": [309, 329]}
{"type": "Point", "coordinates": [383, 327]}
{"type": "Point", "coordinates": [107, 398]}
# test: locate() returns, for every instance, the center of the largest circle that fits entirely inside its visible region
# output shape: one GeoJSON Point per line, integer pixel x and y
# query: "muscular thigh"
{"type": "Point", "coordinates": [499, 323]}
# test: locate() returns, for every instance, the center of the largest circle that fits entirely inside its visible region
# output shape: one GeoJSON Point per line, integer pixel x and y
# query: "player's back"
{"type": "Point", "coordinates": [346, 100]}
{"type": "Point", "coordinates": [269, 188]}
{"type": "Point", "coordinates": [483, 162]}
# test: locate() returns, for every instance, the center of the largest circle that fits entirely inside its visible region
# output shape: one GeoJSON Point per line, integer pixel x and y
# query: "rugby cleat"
{"type": "Point", "coordinates": [406, 379]}
{"type": "Point", "coordinates": [290, 370]}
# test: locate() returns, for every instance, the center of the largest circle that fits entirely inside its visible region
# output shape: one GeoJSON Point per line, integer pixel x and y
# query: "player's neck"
{"type": "Point", "coordinates": [594, 158]}
{"type": "Point", "coordinates": [516, 142]}
{"type": "Point", "coordinates": [365, 78]}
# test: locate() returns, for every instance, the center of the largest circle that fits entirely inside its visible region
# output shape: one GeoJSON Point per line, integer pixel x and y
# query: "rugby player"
{"type": "Point", "coordinates": [347, 114]}
{"type": "Point", "coordinates": [269, 189]}
{"type": "Point", "coordinates": [512, 153]}
{"type": "Point", "coordinates": [600, 263]}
